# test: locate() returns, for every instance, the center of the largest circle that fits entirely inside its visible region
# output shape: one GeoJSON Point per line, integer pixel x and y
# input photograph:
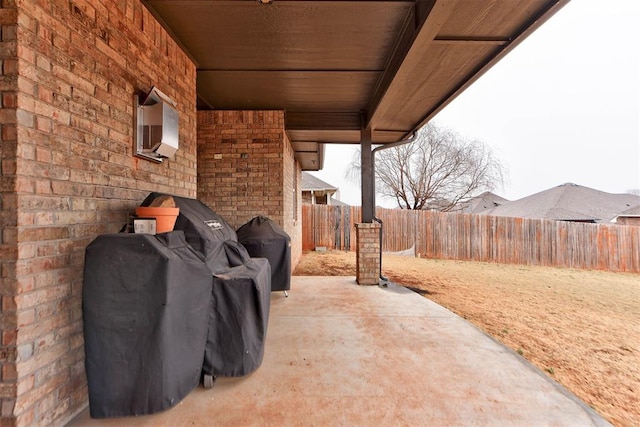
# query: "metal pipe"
{"type": "Point", "coordinates": [397, 143]}
{"type": "Point", "coordinates": [373, 172]}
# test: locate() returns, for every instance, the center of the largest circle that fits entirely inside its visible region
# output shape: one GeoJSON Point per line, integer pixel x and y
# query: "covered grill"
{"type": "Point", "coordinates": [145, 303]}
{"type": "Point", "coordinates": [240, 298]}
{"type": "Point", "coordinates": [163, 312]}
{"type": "Point", "coordinates": [263, 237]}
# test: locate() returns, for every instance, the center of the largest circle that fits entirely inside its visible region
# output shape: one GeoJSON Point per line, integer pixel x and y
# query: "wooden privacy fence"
{"type": "Point", "coordinates": [481, 238]}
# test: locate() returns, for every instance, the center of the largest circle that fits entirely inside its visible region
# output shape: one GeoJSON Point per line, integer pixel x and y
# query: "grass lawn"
{"type": "Point", "coordinates": [581, 327]}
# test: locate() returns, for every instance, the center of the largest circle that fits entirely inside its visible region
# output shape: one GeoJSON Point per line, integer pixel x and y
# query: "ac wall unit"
{"type": "Point", "coordinates": [156, 136]}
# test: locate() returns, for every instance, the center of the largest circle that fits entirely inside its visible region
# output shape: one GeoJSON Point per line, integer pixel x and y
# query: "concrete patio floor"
{"type": "Point", "coordinates": [341, 354]}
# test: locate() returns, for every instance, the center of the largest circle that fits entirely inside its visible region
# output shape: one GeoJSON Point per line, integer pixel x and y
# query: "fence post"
{"type": "Point", "coordinates": [346, 228]}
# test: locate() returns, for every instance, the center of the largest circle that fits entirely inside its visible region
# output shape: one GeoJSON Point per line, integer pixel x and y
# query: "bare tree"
{"type": "Point", "coordinates": [437, 170]}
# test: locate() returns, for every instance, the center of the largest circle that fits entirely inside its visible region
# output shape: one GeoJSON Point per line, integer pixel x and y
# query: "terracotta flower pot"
{"type": "Point", "coordinates": [165, 217]}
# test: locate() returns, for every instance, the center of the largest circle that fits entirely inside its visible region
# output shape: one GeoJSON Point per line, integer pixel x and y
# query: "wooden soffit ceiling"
{"type": "Point", "coordinates": [336, 66]}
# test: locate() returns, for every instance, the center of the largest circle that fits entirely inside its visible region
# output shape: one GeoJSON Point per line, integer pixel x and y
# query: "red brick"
{"type": "Point", "coordinates": [9, 339]}
{"type": "Point", "coordinates": [9, 372]}
{"type": "Point", "coordinates": [7, 408]}
{"type": "Point", "coordinates": [42, 233]}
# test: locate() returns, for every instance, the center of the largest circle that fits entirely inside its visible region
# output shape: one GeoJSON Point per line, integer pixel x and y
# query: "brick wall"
{"type": "Point", "coordinates": [246, 167]}
{"type": "Point", "coordinates": [70, 71]}
{"type": "Point", "coordinates": [628, 220]}
{"type": "Point", "coordinates": [8, 213]}
{"type": "Point", "coordinates": [292, 201]}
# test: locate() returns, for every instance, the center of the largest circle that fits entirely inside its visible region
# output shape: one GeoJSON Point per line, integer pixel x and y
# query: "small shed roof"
{"type": "Point", "coordinates": [336, 202]}
{"type": "Point", "coordinates": [483, 202]}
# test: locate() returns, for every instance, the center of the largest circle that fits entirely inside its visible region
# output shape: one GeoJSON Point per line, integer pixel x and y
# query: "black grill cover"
{"type": "Point", "coordinates": [240, 295]}
{"type": "Point", "coordinates": [265, 238]}
{"type": "Point", "coordinates": [145, 302]}
{"type": "Point", "coordinates": [205, 230]}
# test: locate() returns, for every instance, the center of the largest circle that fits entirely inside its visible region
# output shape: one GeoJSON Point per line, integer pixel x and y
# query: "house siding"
{"type": "Point", "coordinates": [628, 220]}
{"type": "Point", "coordinates": [70, 71]}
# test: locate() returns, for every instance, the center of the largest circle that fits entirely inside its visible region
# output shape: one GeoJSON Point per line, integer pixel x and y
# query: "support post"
{"type": "Point", "coordinates": [368, 253]}
{"type": "Point", "coordinates": [367, 178]}
{"type": "Point", "coordinates": [367, 232]}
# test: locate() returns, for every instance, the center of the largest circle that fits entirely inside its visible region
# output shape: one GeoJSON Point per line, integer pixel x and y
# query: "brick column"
{"type": "Point", "coordinates": [368, 253]}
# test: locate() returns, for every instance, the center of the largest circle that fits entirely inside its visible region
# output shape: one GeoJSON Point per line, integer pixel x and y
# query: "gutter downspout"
{"type": "Point", "coordinates": [373, 172]}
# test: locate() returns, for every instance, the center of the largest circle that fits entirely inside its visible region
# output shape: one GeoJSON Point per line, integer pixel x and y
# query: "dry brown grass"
{"type": "Point", "coordinates": [581, 327]}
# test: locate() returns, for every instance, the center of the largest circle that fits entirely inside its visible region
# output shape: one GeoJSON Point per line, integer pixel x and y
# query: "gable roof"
{"type": "Point", "coordinates": [312, 183]}
{"type": "Point", "coordinates": [568, 202]}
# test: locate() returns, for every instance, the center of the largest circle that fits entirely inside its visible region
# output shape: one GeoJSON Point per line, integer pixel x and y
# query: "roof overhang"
{"type": "Point", "coordinates": [336, 67]}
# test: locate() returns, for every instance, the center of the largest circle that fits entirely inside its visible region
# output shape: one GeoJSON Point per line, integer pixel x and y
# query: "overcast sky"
{"type": "Point", "coordinates": [563, 106]}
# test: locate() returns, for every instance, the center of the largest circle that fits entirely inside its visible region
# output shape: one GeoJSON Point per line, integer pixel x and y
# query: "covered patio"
{"type": "Point", "coordinates": [259, 88]}
{"type": "Point", "coordinates": [342, 354]}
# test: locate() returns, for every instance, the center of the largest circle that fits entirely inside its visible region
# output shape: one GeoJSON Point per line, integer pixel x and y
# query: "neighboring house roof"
{"type": "Point", "coordinates": [634, 212]}
{"type": "Point", "coordinates": [568, 202]}
{"type": "Point", "coordinates": [437, 204]}
{"type": "Point", "coordinates": [483, 202]}
{"type": "Point", "coordinates": [311, 183]}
